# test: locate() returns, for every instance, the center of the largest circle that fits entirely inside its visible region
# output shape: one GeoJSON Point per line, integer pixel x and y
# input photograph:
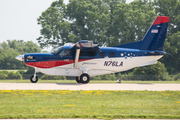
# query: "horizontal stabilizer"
{"type": "Point", "coordinates": [157, 53]}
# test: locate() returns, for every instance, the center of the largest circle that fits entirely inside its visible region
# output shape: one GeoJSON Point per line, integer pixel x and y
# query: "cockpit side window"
{"type": "Point", "coordinates": [65, 52]}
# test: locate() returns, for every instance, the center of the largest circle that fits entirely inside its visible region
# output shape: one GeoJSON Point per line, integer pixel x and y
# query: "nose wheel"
{"type": "Point", "coordinates": [34, 79]}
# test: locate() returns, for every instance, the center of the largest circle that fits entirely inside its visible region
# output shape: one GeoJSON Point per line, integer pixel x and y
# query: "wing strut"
{"type": "Point", "coordinates": [76, 58]}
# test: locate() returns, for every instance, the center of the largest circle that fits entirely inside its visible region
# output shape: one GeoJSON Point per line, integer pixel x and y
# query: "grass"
{"type": "Point", "coordinates": [89, 104]}
{"type": "Point", "coordinates": [11, 70]}
{"type": "Point", "coordinates": [92, 81]}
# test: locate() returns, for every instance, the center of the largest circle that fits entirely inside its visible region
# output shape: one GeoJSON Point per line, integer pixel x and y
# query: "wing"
{"type": "Point", "coordinates": [85, 44]}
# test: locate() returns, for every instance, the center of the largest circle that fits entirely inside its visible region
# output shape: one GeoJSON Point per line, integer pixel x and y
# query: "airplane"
{"type": "Point", "coordinates": [87, 58]}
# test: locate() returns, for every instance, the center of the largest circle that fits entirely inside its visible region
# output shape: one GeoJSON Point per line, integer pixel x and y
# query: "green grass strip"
{"type": "Point", "coordinates": [100, 104]}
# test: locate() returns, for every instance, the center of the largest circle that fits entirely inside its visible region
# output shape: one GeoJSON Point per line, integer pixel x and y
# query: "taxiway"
{"type": "Point", "coordinates": [90, 86]}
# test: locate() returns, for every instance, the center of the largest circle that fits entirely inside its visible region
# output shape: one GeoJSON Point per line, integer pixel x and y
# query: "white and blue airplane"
{"type": "Point", "coordinates": [87, 58]}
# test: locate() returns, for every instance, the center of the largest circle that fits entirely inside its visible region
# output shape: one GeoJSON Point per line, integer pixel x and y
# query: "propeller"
{"type": "Point", "coordinates": [21, 58]}
{"type": "Point", "coordinates": [22, 63]}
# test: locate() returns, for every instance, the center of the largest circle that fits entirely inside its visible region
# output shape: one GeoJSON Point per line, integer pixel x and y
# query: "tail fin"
{"type": "Point", "coordinates": [154, 38]}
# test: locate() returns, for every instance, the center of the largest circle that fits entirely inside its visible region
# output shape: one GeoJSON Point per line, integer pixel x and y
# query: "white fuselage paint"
{"type": "Point", "coordinates": [101, 66]}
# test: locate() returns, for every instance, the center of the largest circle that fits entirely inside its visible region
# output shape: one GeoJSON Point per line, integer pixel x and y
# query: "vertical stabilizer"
{"type": "Point", "coordinates": [154, 38]}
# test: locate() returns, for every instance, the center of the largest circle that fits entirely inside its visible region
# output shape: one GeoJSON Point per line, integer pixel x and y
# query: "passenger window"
{"type": "Point", "coordinates": [91, 53]}
{"type": "Point", "coordinates": [111, 54]}
{"type": "Point", "coordinates": [65, 52]}
{"type": "Point", "coordinates": [81, 53]}
{"type": "Point", "coordinates": [102, 54]}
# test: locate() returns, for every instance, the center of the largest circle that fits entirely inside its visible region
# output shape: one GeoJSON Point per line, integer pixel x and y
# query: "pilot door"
{"type": "Point", "coordinates": [65, 57]}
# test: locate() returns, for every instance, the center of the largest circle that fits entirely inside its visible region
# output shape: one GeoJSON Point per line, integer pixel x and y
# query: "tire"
{"type": "Point", "coordinates": [33, 80]}
{"type": "Point", "coordinates": [84, 78]}
{"type": "Point", "coordinates": [78, 80]}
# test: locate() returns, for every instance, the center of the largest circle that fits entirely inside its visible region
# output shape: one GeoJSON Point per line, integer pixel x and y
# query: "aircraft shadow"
{"type": "Point", "coordinates": [145, 83]}
{"type": "Point", "coordinates": [73, 84]}
{"type": "Point", "coordinates": [88, 83]}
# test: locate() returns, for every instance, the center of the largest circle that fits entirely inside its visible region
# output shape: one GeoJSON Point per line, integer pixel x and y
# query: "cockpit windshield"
{"type": "Point", "coordinates": [56, 50]}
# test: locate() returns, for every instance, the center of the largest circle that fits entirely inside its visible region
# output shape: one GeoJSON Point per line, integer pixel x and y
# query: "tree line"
{"type": "Point", "coordinates": [112, 21]}
{"type": "Point", "coordinates": [11, 48]}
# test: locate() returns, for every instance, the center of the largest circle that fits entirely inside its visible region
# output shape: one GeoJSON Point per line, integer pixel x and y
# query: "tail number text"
{"type": "Point", "coordinates": [113, 63]}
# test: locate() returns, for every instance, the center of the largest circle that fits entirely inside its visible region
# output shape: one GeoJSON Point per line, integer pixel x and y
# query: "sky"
{"type": "Point", "coordinates": [18, 19]}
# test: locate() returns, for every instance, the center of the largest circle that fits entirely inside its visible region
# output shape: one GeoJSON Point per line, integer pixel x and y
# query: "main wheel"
{"type": "Point", "coordinates": [84, 78]}
{"type": "Point", "coordinates": [33, 80]}
{"type": "Point", "coordinates": [78, 80]}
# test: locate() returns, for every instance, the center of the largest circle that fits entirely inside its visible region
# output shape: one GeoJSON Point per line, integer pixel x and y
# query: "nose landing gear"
{"type": "Point", "coordinates": [34, 78]}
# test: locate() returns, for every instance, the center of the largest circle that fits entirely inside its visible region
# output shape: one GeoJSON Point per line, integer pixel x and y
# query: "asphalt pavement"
{"type": "Point", "coordinates": [90, 86]}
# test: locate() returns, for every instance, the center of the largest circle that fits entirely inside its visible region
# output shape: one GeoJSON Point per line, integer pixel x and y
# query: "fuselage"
{"type": "Point", "coordinates": [105, 60]}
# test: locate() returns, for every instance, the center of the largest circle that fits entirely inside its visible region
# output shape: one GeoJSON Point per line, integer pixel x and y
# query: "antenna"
{"type": "Point", "coordinates": [104, 45]}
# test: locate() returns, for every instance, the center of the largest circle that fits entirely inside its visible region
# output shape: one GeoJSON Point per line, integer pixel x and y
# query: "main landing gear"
{"type": "Point", "coordinates": [84, 78]}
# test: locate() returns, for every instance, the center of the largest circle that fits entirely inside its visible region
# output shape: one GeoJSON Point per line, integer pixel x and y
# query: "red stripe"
{"type": "Point", "coordinates": [161, 19]}
{"type": "Point", "coordinates": [51, 64]}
